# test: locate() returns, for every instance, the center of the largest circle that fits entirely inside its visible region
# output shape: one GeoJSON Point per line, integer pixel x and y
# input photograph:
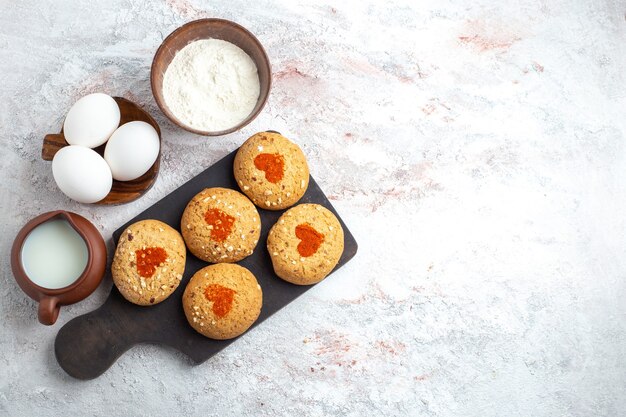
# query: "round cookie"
{"type": "Point", "coordinates": [220, 225]}
{"type": "Point", "coordinates": [149, 262]}
{"type": "Point", "coordinates": [305, 244]}
{"type": "Point", "coordinates": [271, 170]}
{"type": "Point", "coordinates": [222, 301]}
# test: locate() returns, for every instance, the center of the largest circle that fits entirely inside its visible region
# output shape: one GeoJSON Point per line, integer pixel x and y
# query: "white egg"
{"type": "Point", "coordinates": [91, 120]}
{"type": "Point", "coordinates": [81, 174]}
{"type": "Point", "coordinates": [131, 150]}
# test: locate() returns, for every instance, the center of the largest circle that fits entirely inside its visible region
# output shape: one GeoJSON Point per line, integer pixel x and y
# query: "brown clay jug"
{"type": "Point", "coordinates": [51, 299]}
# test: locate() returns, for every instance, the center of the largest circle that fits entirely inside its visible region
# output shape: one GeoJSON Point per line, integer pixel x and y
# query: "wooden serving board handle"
{"type": "Point", "coordinates": [88, 345]}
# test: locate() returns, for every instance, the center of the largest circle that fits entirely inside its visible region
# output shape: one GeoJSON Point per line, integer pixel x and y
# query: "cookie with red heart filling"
{"type": "Point", "coordinates": [220, 225]}
{"type": "Point", "coordinates": [149, 262]}
{"type": "Point", "coordinates": [271, 170]}
{"type": "Point", "coordinates": [222, 301]}
{"type": "Point", "coordinates": [305, 244]}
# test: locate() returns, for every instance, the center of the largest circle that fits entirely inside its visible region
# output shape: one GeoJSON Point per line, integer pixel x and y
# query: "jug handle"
{"type": "Point", "coordinates": [48, 310]}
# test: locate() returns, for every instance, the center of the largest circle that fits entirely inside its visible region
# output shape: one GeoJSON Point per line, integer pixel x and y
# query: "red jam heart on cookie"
{"type": "Point", "coordinates": [221, 297]}
{"type": "Point", "coordinates": [273, 164]}
{"type": "Point", "coordinates": [149, 259]}
{"type": "Point", "coordinates": [221, 223]}
{"type": "Point", "coordinates": [310, 239]}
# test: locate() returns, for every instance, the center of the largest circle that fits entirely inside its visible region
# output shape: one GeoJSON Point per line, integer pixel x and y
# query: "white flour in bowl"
{"type": "Point", "coordinates": [211, 85]}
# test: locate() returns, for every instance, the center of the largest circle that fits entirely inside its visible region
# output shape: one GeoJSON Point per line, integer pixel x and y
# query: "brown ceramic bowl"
{"type": "Point", "coordinates": [210, 29]}
{"type": "Point", "coordinates": [121, 191]}
{"type": "Point", "coordinates": [50, 300]}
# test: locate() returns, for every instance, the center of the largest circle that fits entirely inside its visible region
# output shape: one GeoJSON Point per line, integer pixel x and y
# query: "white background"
{"type": "Point", "coordinates": [475, 149]}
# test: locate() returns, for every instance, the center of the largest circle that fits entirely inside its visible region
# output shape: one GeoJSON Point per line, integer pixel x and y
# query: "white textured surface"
{"type": "Point", "coordinates": [475, 149]}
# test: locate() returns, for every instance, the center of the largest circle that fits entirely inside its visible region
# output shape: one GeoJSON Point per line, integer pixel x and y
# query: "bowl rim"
{"type": "Point", "coordinates": [159, 52]}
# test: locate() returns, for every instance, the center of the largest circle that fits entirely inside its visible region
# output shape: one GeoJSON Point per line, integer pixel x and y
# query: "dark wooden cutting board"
{"type": "Point", "coordinates": [88, 345]}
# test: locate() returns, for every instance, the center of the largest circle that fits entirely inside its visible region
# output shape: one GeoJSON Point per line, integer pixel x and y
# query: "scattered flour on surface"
{"type": "Point", "coordinates": [211, 85]}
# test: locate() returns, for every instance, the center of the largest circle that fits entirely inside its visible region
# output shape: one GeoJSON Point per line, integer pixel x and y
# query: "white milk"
{"type": "Point", "coordinates": [54, 255]}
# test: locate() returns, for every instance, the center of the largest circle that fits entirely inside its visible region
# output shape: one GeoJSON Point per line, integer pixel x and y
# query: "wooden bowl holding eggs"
{"type": "Point", "coordinates": [107, 152]}
{"type": "Point", "coordinates": [211, 77]}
